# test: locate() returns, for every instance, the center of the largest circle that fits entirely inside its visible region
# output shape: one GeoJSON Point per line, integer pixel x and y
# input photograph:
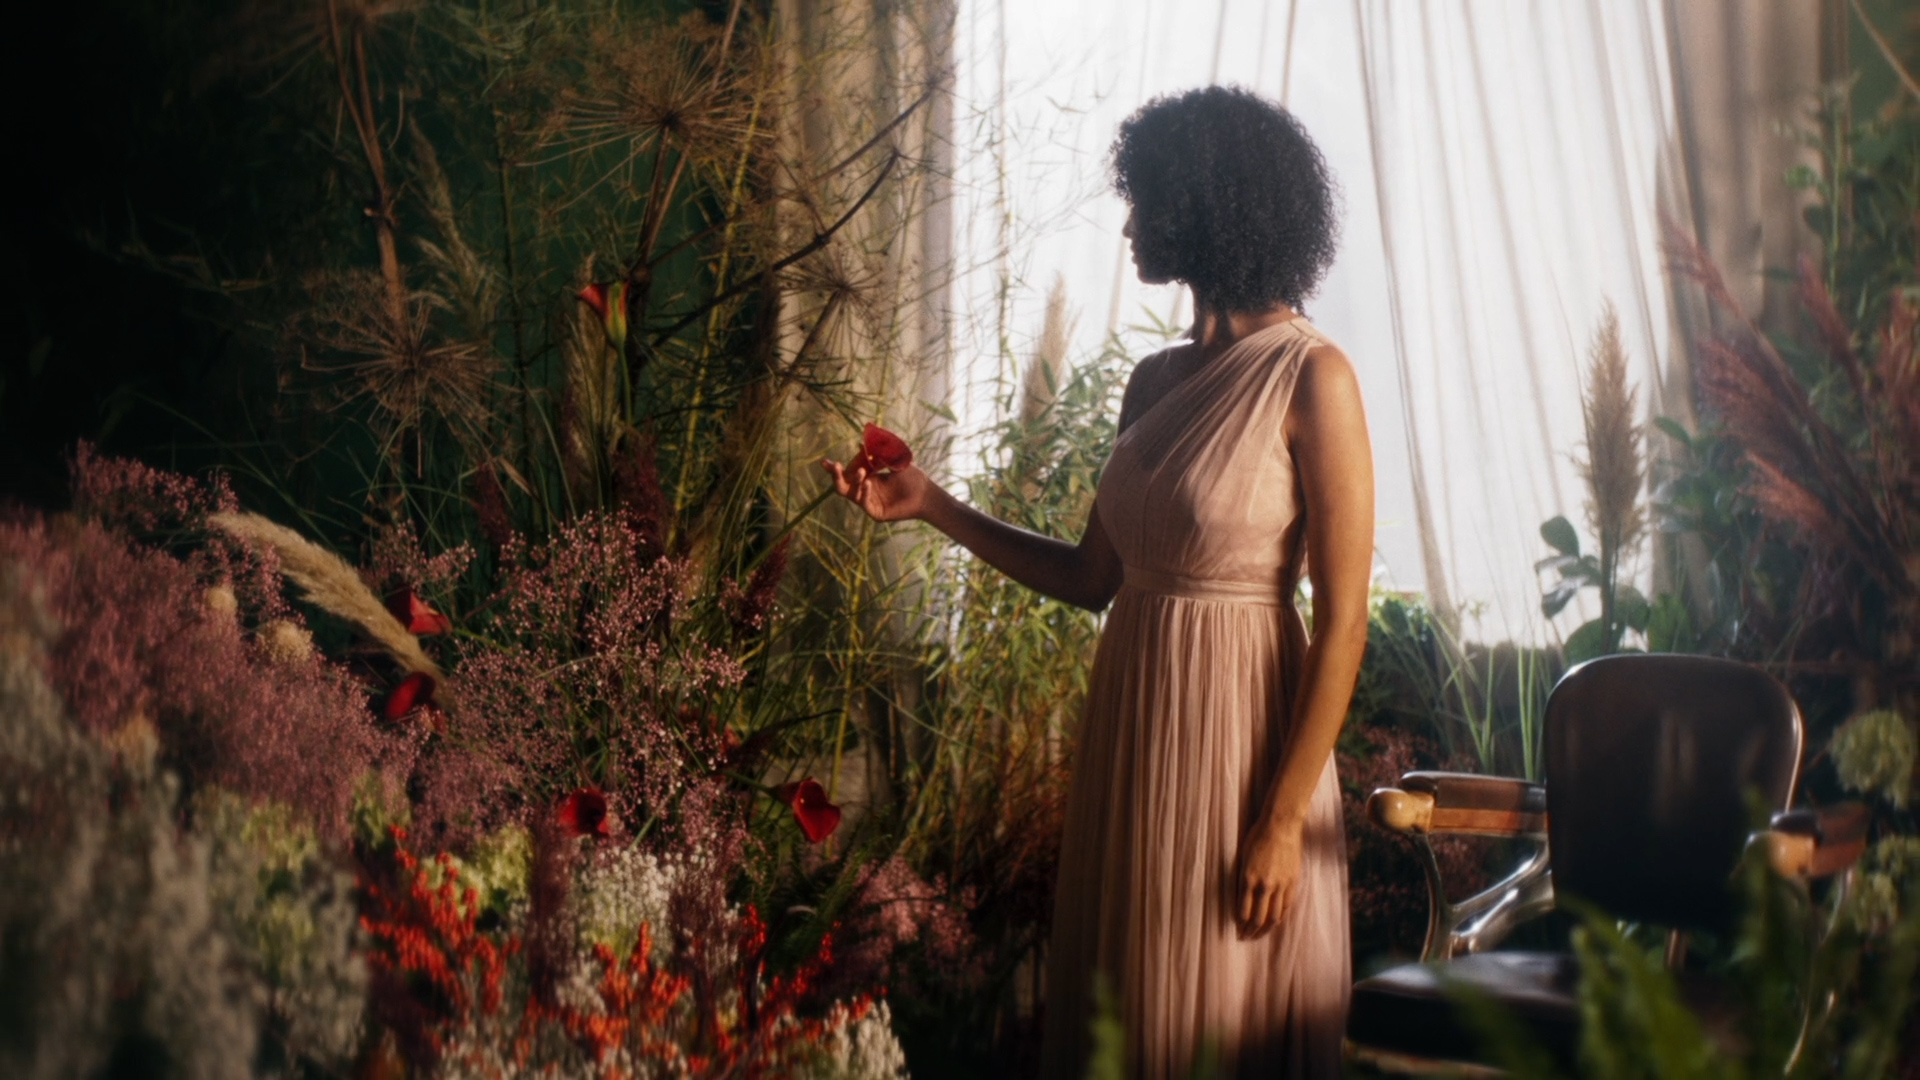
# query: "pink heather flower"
{"type": "Point", "coordinates": [139, 642]}
{"type": "Point", "coordinates": [399, 561]}
{"type": "Point", "coordinates": [584, 676]}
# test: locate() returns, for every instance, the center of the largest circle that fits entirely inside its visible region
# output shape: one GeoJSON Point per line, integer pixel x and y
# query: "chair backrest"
{"type": "Point", "coordinates": [1648, 762]}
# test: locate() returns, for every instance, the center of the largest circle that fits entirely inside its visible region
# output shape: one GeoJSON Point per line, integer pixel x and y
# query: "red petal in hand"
{"type": "Point", "coordinates": [584, 813]}
{"type": "Point", "coordinates": [416, 614]}
{"type": "Point", "coordinates": [415, 691]}
{"type": "Point", "coordinates": [881, 450]}
{"type": "Point", "coordinates": [817, 817]}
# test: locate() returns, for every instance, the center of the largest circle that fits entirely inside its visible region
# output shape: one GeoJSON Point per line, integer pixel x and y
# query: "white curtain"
{"type": "Point", "coordinates": [1515, 153]}
{"type": "Point", "coordinates": [1498, 162]}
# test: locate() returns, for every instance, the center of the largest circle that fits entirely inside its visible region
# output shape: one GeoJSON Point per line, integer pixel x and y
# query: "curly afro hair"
{"type": "Point", "coordinates": [1229, 195]}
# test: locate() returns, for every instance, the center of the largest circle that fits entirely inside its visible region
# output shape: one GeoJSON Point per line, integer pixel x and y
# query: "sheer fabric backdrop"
{"type": "Point", "coordinates": [1499, 163]}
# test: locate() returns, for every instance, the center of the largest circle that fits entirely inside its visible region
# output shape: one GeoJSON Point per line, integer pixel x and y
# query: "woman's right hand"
{"type": "Point", "coordinates": [897, 495]}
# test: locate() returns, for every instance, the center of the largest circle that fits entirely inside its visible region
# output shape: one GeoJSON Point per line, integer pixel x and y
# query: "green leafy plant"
{"type": "Point", "coordinates": [1816, 994]}
{"type": "Point", "coordinates": [1614, 469]}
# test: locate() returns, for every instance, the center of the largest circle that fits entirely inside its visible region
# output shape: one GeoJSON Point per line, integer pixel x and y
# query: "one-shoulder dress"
{"type": "Point", "coordinates": [1186, 718]}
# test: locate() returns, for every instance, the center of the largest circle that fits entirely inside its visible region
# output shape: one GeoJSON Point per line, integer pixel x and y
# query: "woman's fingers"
{"type": "Point", "coordinates": [851, 483]}
{"type": "Point", "coordinates": [1262, 899]}
{"type": "Point", "coordinates": [1259, 907]}
{"type": "Point", "coordinates": [840, 483]}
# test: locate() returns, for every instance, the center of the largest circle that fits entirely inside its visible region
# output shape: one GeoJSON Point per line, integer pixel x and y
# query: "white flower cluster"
{"type": "Point", "coordinates": [863, 1049]}
{"type": "Point", "coordinates": [623, 888]}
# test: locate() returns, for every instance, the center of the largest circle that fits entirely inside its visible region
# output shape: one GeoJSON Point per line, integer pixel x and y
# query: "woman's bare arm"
{"type": "Point", "coordinates": [1086, 574]}
{"type": "Point", "coordinates": [1334, 461]}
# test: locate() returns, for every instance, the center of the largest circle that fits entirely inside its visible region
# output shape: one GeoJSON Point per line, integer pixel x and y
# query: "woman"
{"type": "Point", "coordinates": [1203, 872]}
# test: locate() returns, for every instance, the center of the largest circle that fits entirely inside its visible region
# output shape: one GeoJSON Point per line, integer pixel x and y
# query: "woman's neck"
{"type": "Point", "coordinates": [1215, 326]}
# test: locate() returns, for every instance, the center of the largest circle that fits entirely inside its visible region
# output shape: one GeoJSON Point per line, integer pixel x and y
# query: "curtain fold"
{"type": "Point", "coordinates": [1744, 74]}
{"type": "Point", "coordinates": [1514, 156]}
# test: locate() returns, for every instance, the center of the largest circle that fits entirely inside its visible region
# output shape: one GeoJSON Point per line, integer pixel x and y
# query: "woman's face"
{"type": "Point", "coordinates": [1150, 271]}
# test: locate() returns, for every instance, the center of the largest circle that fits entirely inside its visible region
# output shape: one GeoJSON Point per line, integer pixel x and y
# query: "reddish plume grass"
{"type": "Point", "coordinates": [1837, 475]}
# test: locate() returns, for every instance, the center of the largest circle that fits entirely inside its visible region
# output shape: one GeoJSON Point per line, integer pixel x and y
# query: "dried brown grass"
{"type": "Point", "coordinates": [327, 582]}
{"type": "Point", "coordinates": [1615, 469]}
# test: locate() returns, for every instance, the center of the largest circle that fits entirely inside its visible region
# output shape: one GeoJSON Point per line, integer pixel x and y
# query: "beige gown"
{"type": "Point", "coordinates": [1186, 716]}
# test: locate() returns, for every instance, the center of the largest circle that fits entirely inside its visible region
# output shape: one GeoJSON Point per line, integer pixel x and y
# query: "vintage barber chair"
{"type": "Point", "coordinates": [1643, 814]}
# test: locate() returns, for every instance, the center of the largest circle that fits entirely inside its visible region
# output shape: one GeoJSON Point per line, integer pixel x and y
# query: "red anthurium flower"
{"type": "Point", "coordinates": [610, 303]}
{"type": "Point", "coordinates": [414, 692]}
{"type": "Point", "coordinates": [584, 813]}
{"type": "Point", "coordinates": [416, 614]}
{"type": "Point", "coordinates": [817, 817]}
{"type": "Point", "coordinates": [882, 451]}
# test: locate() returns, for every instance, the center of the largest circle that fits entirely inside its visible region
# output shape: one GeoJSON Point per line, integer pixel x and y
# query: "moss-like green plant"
{"type": "Point", "coordinates": [1874, 754]}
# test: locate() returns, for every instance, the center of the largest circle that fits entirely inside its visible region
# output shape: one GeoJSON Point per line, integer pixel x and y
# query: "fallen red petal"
{"type": "Point", "coordinates": [414, 691]}
{"type": "Point", "coordinates": [418, 616]}
{"type": "Point", "coordinates": [584, 813]}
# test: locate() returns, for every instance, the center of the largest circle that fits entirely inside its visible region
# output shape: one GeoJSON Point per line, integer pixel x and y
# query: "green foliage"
{"type": "Point", "coordinates": [1874, 754]}
{"type": "Point", "coordinates": [1108, 1060]}
{"type": "Point", "coordinates": [1817, 996]}
{"type": "Point", "coordinates": [1007, 673]}
{"type": "Point", "coordinates": [1418, 678]}
{"type": "Point", "coordinates": [1577, 571]}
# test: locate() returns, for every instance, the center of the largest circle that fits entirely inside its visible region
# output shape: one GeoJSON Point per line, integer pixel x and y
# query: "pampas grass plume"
{"type": "Point", "coordinates": [327, 582]}
{"type": "Point", "coordinates": [1614, 470]}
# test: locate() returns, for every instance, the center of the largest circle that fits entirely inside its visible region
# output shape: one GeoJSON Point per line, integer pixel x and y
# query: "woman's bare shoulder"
{"type": "Point", "coordinates": [1327, 389]}
{"type": "Point", "coordinates": [1151, 379]}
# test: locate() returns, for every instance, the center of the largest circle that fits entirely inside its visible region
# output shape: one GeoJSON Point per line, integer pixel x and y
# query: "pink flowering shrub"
{"type": "Point", "coordinates": [897, 915]}
{"type": "Point", "coordinates": [580, 678]}
{"type": "Point", "coordinates": [154, 654]}
{"type": "Point", "coordinates": [1386, 886]}
{"type": "Point", "coordinates": [399, 559]}
{"type": "Point", "coordinates": [169, 511]}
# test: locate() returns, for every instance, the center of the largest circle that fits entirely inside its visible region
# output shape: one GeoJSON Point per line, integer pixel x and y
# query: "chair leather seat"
{"type": "Point", "coordinates": [1407, 1010]}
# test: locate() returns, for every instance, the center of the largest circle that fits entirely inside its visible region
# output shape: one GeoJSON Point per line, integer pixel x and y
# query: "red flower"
{"type": "Point", "coordinates": [610, 303]}
{"type": "Point", "coordinates": [584, 813]}
{"type": "Point", "coordinates": [416, 614]}
{"type": "Point", "coordinates": [414, 692]}
{"type": "Point", "coordinates": [882, 451]}
{"type": "Point", "coordinates": [817, 817]}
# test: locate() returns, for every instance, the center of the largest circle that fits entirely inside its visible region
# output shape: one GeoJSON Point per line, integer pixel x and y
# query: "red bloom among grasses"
{"type": "Point", "coordinates": [418, 616]}
{"type": "Point", "coordinates": [414, 692]}
{"type": "Point", "coordinates": [881, 451]}
{"type": "Point", "coordinates": [818, 818]}
{"type": "Point", "coordinates": [584, 813]}
{"type": "Point", "coordinates": [610, 303]}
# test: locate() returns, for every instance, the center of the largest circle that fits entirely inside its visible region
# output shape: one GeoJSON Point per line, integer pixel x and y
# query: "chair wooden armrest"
{"type": "Point", "coordinates": [1817, 843]}
{"type": "Point", "coordinates": [1461, 803]}
{"type": "Point", "coordinates": [1435, 803]}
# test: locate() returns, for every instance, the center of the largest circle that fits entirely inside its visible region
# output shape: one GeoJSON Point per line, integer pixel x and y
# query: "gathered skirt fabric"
{"type": "Point", "coordinates": [1186, 719]}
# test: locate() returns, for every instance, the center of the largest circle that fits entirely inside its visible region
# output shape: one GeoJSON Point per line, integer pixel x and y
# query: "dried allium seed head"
{"type": "Point", "coordinates": [286, 642]}
{"type": "Point", "coordinates": [221, 601]}
{"type": "Point", "coordinates": [135, 742]}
